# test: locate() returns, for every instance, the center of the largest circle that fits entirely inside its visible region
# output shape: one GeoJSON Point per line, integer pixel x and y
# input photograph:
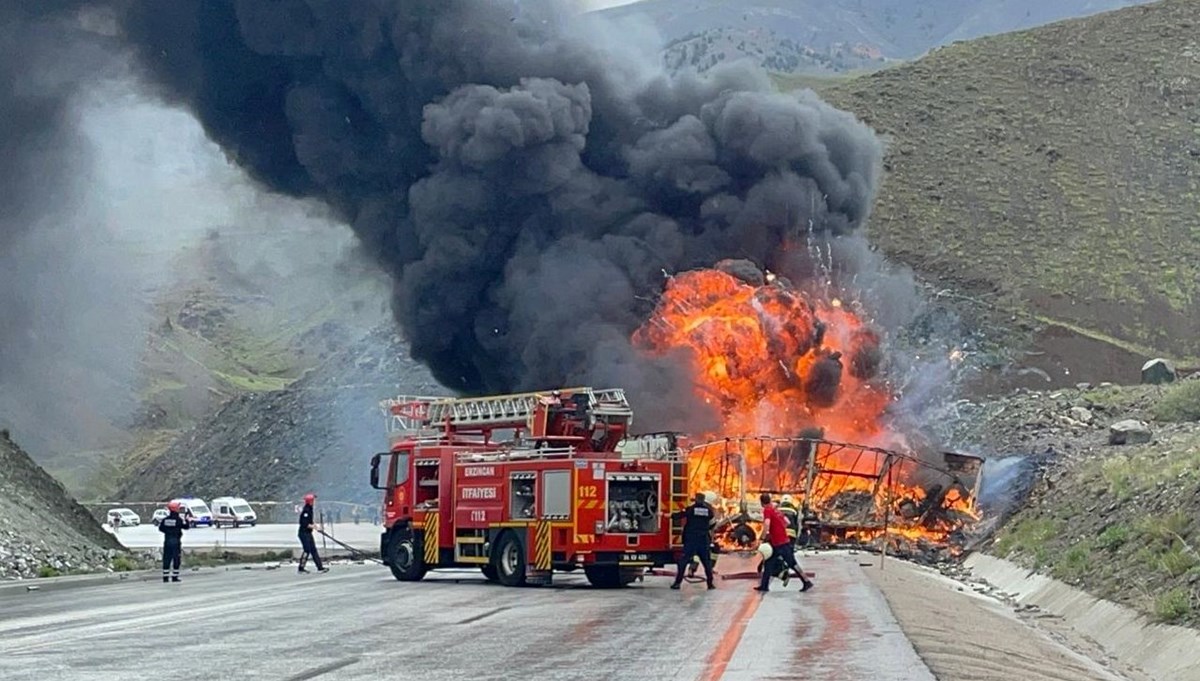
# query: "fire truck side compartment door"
{"type": "Point", "coordinates": [522, 496]}
{"type": "Point", "coordinates": [556, 494]}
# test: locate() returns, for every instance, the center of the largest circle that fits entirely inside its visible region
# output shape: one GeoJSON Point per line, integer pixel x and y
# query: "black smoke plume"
{"type": "Point", "coordinates": [525, 179]}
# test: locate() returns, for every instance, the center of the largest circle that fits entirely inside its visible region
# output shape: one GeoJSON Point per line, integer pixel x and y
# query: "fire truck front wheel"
{"type": "Point", "coordinates": [508, 560]}
{"type": "Point", "coordinates": [610, 576]}
{"type": "Point", "coordinates": [405, 558]}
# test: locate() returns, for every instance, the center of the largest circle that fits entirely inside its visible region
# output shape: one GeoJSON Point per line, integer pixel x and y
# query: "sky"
{"type": "Point", "coordinates": [604, 4]}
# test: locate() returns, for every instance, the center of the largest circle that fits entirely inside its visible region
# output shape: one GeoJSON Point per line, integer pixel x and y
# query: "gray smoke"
{"type": "Point", "coordinates": [525, 182]}
{"type": "Point", "coordinates": [44, 172]}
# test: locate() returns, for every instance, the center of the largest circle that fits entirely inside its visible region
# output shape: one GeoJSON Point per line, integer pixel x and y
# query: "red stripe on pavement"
{"type": "Point", "coordinates": [719, 659]}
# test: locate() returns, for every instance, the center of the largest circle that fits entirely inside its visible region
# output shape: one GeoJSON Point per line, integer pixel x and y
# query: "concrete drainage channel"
{"type": "Point", "coordinates": [1164, 652]}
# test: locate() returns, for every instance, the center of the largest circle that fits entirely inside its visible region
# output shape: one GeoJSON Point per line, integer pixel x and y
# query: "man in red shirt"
{"type": "Point", "coordinates": [782, 551]}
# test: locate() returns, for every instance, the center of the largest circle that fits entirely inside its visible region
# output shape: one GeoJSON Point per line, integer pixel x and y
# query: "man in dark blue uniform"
{"type": "Point", "coordinates": [307, 524]}
{"type": "Point", "coordinates": [697, 519]}
{"type": "Point", "coordinates": [172, 528]}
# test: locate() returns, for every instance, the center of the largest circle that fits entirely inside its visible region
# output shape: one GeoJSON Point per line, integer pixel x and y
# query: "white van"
{"type": "Point", "coordinates": [233, 511]}
{"type": "Point", "coordinates": [195, 510]}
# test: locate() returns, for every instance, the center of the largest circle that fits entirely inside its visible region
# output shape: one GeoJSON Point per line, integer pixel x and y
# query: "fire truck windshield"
{"type": "Point", "coordinates": [396, 467]}
{"type": "Point", "coordinates": [398, 472]}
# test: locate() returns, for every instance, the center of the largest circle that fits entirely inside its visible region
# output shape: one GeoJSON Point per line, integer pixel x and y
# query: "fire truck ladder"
{"type": "Point", "coordinates": [508, 410]}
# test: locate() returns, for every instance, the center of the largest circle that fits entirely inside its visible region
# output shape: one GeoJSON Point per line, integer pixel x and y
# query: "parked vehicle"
{"type": "Point", "coordinates": [159, 514]}
{"type": "Point", "coordinates": [195, 511]}
{"type": "Point", "coordinates": [233, 511]}
{"type": "Point", "coordinates": [124, 517]}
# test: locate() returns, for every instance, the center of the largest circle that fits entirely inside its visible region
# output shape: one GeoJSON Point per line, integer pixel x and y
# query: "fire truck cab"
{"type": "Point", "coordinates": [524, 485]}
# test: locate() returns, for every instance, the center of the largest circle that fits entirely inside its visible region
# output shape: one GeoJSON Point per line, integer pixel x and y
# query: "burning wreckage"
{"type": "Point", "coordinates": [848, 496]}
{"type": "Point", "coordinates": [772, 360]}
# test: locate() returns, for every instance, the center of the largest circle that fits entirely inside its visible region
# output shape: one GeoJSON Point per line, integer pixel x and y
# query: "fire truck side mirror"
{"type": "Point", "coordinates": [375, 470]}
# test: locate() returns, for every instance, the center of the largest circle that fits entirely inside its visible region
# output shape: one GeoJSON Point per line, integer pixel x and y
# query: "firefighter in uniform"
{"type": "Point", "coordinates": [719, 522]}
{"type": "Point", "coordinates": [787, 508]}
{"type": "Point", "coordinates": [306, 536]}
{"type": "Point", "coordinates": [698, 519]}
{"type": "Point", "coordinates": [172, 528]}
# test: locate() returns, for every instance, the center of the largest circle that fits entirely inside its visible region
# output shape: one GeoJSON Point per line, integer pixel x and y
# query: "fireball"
{"type": "Point", "coordinates": [785, 368]}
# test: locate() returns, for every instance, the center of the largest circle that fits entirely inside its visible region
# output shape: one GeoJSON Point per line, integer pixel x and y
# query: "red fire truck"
{"type": "Point", "coordinates": [525, 485]}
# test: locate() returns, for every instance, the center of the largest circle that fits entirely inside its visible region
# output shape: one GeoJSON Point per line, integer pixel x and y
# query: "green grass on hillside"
{"type": "Point", "coordinates": [1060, 165]}
{"type": "Point", "coordinates": [1123, 526]}
{"type": "Point", "coordinates": [819, 83]}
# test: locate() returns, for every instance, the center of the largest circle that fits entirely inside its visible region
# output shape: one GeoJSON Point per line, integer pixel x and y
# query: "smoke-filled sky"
{"type": "Point", "coordinates": [526, 177]}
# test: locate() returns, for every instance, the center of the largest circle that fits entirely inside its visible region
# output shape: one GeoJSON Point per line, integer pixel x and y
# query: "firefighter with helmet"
{"type": "Point", "coordinates": [787, 508]}
{"type": "Point", "coordinates": [172, 528]}
{"type": "Point", "coordinates": [698, 519]}
{"type": "Point", "coordinates": [791, 514]}
{"type": "Point", "coordinates": [307, 525]}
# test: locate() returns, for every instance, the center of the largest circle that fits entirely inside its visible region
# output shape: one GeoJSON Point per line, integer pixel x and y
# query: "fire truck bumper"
{"type": "Point", "coordinates": [633, 558]}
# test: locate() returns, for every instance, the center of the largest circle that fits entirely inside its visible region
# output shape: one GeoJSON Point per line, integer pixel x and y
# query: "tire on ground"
{"type": "Point", "coordinates": [610, 576]}
{"type": "Point", "coordinates": [508, 559]}
{"type": "Point", "coordinates": [406, 557]}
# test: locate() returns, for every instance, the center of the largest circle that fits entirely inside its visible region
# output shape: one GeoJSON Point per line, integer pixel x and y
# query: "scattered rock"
{"type": "Point", "coordinates": [1158, 371]}
{"type": "Point", "coordinates": [1082, 414]}
{"type": "Point", "coordinates": [1129, 432]}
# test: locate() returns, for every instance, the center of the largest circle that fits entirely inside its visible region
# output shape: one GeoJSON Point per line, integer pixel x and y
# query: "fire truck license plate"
{"type": "Point", "coordinates": [635, 556]}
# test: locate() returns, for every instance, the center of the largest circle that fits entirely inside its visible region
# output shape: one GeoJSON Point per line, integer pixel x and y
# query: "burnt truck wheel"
{"type": "Point", "coordinates": [508, 560]}
{"type": "Point", "coordinates": [743, 535]}
{"type": "Point", "coordinates": [405, 557]}
{"type": "Point", "coordinates": [610, 576]}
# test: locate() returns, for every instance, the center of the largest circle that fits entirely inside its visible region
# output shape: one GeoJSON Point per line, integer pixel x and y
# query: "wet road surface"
{"type": "Point", "coordinates": [363, 536]}
{"type": "Point", "coordinates": [356, 622]}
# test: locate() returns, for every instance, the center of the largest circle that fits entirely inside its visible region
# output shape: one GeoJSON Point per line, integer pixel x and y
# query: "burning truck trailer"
{"type": "Point", "coordinates": [848, 495]}
{"type": "Point", "coordinates": [796, 374]}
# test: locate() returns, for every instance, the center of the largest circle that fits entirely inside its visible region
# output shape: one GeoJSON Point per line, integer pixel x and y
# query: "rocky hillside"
{"type": "Point", "coordinates": [317, 434]}
{"type": "Point", "coordinates": [43, 531]}
{"type": "Point", "coordinates": [829, 36]}
{"type": "Point", "coordinates": [1053, 175]}
{"type": "Point", "coordinates": [1114, 504]}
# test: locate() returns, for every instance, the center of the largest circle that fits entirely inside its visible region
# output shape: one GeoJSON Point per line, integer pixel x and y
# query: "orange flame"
{"type": "Point", "coordinates": [779, 364]}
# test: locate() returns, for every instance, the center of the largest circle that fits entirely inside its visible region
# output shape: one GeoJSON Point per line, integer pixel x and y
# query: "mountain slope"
{"type": "Point", "coordinates": [317, 434]}
{"type": "Point", "coordinates": [822, 36]}
{"type": "Point", "coordinates": [44, 530]}
{"type": "Point", "coordinates": [1055, 172]}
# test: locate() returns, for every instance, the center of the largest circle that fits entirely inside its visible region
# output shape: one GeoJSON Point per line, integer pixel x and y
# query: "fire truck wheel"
{"type": "Point", "coordinates": [489, 572]}
{"type": "Point", "coordinates": [407, 563]}
{"type": "Point", "coordinates": [610, 576]}
{"type": "Point", "coordinates": [509, 560]}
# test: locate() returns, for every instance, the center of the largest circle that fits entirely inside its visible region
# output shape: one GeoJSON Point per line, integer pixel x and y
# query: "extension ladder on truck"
{"type": "Point", "coordinates": [429, 414]}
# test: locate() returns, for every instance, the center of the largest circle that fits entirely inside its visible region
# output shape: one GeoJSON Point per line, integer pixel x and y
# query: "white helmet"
{"type": "Point", "coordinates": [787, 499]}
{"type": "Point", "coordinates": [766, 550]}
{"type": "Point", "coordinates": [711, 497]}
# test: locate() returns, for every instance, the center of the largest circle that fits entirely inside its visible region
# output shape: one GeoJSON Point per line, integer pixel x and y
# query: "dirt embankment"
{"type": "Point", "coordinates": [43, 531]}
{"type": "Point", "coordinates": [1120, 521]}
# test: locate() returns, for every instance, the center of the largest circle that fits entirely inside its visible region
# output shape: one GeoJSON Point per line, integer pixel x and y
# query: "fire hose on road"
{"type": "Point", "coordinates": [357, 553]}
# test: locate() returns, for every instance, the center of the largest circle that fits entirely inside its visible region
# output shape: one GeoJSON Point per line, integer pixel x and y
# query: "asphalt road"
{"type": "Point", "coordinates": [363, 536]}
{"type": "Point", "coordinates": [356, 622]}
